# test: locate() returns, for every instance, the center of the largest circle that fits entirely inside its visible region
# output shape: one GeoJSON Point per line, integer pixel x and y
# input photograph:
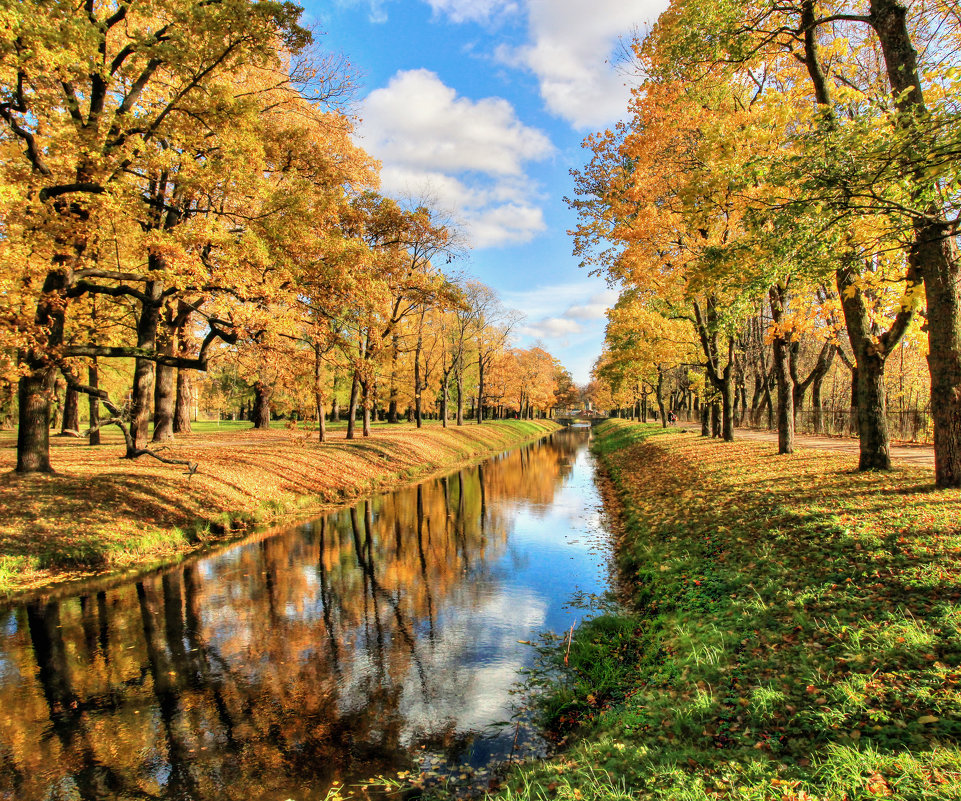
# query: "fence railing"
{"type": "Point", "coordinates": [906, 425]}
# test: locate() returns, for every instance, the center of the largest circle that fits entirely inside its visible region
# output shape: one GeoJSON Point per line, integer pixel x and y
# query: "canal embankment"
{"type": "Point", "coordinates": [792, 632]}
{"type": "Point", "coordinates": [100, 514]}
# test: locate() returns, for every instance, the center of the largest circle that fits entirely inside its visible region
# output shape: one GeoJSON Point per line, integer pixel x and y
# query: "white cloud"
{"type": "Point", "coordinates": [596, 308]}
{"type": "Point", "coordinates": [468, 156]}
{"type": "Point", "coordinates": [569, 313]}
{"type": "Point", "coordinates": [570, 49]}
{"type": "Point", "coordinates": [552, 328]}
{"type": "Point", "coordinates": [510, 224]}
{"type": "Point", "coordinates": [418, 121]}
{"type": "Point", "coordinates": [552, 300]}
{"type": "Point", "coordinates": [473, 10]}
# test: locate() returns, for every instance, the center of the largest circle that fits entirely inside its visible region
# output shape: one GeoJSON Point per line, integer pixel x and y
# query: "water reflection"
{"type": "Point", "coordinates": [350, 646]}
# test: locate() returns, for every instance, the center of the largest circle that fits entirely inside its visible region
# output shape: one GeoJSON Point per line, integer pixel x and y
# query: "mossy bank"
{"type": "Point", "coordinates": [100, 514]}
{"type": "Point", "coordinates": [794, 633]}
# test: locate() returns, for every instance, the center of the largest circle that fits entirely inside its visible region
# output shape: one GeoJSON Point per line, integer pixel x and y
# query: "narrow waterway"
{"type": "Point", "coordinates": [379, 639]}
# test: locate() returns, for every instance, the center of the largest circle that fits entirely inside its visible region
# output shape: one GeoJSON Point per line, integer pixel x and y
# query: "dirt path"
{"type": "Point", "coordinates": [918, 455]}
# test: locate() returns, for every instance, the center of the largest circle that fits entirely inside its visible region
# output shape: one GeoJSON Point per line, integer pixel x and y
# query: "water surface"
{"type": "Point", "coordinates": [377, 639]}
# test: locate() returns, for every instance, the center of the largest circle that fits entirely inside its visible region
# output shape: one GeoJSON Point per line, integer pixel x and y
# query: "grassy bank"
{"type": "Point", "coordinates": [795, 633]}
{"type": "Point", "coordinates": [101, 514]}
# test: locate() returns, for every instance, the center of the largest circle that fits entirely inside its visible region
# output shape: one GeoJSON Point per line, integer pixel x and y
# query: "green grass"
{"type": "Point", "coordinates": [793, 633]}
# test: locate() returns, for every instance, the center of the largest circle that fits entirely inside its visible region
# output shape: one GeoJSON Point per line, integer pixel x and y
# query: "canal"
{"type": "Point", "coordinates": [382, 639]}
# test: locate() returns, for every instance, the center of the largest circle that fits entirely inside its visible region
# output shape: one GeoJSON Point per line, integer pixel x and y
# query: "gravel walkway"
{"type": "Point", "coordinates": [919, 455]}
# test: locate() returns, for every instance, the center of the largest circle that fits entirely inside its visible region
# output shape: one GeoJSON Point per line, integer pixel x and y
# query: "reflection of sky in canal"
{"type": "Point", "coordinates": [551, 553]}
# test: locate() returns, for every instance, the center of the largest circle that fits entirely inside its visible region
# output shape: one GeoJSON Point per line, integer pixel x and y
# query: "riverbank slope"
{"type": "Point", "coordinates": [101, 514]}
{"type": "Point", "coordinates": [795, 632]}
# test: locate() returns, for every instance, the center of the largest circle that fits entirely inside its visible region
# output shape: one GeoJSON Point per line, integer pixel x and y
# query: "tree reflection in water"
{"type": "Point", "coordinates": [268, 670]}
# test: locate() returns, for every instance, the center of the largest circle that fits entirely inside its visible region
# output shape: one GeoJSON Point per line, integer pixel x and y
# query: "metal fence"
{"type": "Point", "coordinates": [906, 425]}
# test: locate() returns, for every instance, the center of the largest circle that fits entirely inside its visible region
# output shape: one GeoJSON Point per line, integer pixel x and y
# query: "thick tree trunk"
{"type": "Point", "coordinates": [261, 410]}
{"type": "Point", "coordinates": [785, 397]}
{"type": "Point", "coordinates": [944, 361]}
{"type": "Point", "coordinates": [706, 419]}
{"type": "Point", "coordinates": [875, 451]}
{"type": "Point", "coordinates": [165, 403]}
{"type": "Point", "coordinates": [933, 254]}
{"type": "Point", "coordinates": [142, 393]}
{"type": "Point", "coordinates": [727, 411]}
{"type": "Point", "coordinates": [716, 419]}
{"type": "Point", "coordinates": [71, 412]}
{"type": "Point", "coordinates": [783, 374]}
{"type": "Point", "coordinates": [185, 397]}
{"type": "Point", "coordinates": [868, 378]}
{"type": "Point", "coordinates": [36, 385]}
{"type": "Point", "coordinates": [33, 429]}
{"type": "Point", "coordinates": [93, 403]}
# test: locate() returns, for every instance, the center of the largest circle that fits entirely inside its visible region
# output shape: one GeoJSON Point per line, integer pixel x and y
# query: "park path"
{"type": "Point", "coordinates": [918, 455]}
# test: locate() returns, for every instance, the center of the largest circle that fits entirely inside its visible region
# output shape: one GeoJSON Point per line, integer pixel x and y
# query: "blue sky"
{"type": "Point", "coordinates": [481, 105]}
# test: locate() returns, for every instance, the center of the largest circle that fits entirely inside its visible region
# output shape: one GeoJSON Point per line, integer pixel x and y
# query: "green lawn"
{"type": "Point", "coordinates": [793, 632]}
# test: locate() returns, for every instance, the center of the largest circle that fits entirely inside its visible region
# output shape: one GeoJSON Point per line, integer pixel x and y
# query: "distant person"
{"type": "Point", "coordinates": [671, 418]}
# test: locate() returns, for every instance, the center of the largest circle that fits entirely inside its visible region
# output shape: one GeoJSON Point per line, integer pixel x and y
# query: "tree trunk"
{"type": "Point", "coordinates": [716, 419]}
{"type": "Point", "coordinates": [660, 396]}
{"type": "Point", "coordinates": [933, 253]}
{"type": "Point", "coordinates": [460, 394]}
{"type": "Point", "coordinates": [36, 385]}
{"type": "Point", "coordinates": [352, 405]}
{"type": "Point", "coordinates": [875, 452]}
{"type": "Point", "coordinates": [868, 379]}
{"type": "Point", "coordinates": [71, 411]}
{"type": "Point", "coordinates": [93, 403]}
{"type": "Point", "coordinates": [392, 388]}
{"type": "Point", "coordinates": [706, 419]}
{"type": "Point", "coordinates": [480, 387]}
{"type": "Point", "coordinates": [319, 397]}
{"type": "Point", "coordinates": [365, 404]}
{"type": "Point", "coordinates": [8, 402]}
{"type": "Point", "coordinates": [144, 369]}
{"type": "Point", "coordinates": [777, 296]}
{"type": "Point", "coordinates": [165, 402]}
{"type": "Point", "coordinates": [33, 429]}
{"type": "Point", "coordinates": [443, 402]}
{"type": "Point", "coordinates": [817, 409]}
{"type": "Point", "coordinates": [261, 411]}
{"type": "Point", "coordinates": [418, 411]}
{"type": "Point", "coordinates": [182, 411]}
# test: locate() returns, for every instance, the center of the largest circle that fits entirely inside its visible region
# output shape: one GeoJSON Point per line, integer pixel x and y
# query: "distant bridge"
{"type": "Point", "coordinates": [580, 419]}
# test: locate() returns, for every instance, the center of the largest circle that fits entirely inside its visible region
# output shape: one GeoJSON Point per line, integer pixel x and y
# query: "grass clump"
{"type": "Point", "coordinates": [793, 634]}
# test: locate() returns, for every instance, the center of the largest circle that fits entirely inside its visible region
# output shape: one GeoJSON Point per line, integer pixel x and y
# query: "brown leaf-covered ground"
{"type": "Point", "coordinates": [100, 513]}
